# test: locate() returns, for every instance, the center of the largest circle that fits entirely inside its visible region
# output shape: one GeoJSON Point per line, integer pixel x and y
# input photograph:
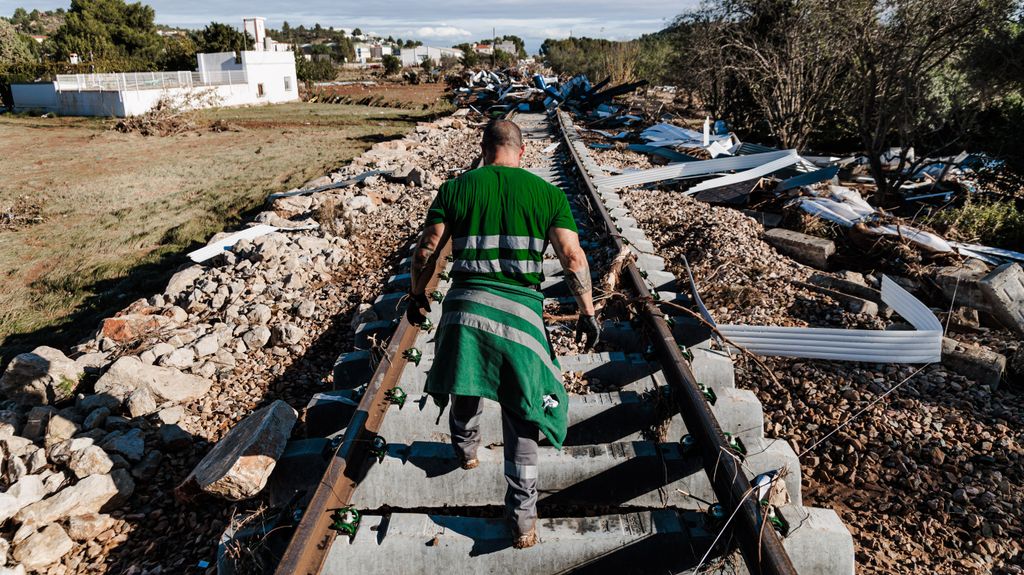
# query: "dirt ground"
{"type": "Point", "coordinates": [377, 92]}
{"type": "Point", "coordinates": [116, 213]}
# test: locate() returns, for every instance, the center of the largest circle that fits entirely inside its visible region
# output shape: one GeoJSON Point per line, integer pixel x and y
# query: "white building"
{"type": "Point", "coordinates": [371, 52]}
{"type": "Point", "coordinates": [251, 77]}
{"type": "Point", "coordinates": [416, 56]}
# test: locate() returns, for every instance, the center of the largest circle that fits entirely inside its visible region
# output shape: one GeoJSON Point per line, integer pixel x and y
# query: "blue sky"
{"type": "Point", "coordinates": [435, 23]}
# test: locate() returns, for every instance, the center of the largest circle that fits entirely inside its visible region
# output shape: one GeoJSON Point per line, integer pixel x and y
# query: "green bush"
{"type": "Point", "coordinates": [391, 65]}
{"type": "Point", "coordinates": [991, 223]}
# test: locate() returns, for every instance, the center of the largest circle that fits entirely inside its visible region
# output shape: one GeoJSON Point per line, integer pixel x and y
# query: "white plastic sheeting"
{"type": "Point", "coordinates": [921, 345]}
{"type": "Point", "coordinates": [846, 207]}
{"type": "Point", "coordinates": [669, 135]}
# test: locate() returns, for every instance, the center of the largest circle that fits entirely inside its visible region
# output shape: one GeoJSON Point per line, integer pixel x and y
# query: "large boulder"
{"type": "Point", "coordinates": [129, 374]}
{"type": "Point", "coordinates": [90, 495]}
{"type": "Point", "coordinates": [43, 548]}
{"type": "Point", "coordinates": [43, 376]}
{"type": "Point", "coordinates": [238, 466]}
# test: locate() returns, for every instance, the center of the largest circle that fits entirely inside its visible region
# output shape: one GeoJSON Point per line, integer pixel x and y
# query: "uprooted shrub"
{"type": "Point", "coordinates": [172, 114]}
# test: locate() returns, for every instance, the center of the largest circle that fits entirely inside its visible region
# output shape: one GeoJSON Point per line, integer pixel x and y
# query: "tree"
{"type": "Point", "coordinates": [310, 71]}
{"type": "Point", "coordinates": [428, 64]}
{"type": "Point", "coordinates": [103, 29]}
{"type": "Point", "coordinates": [286, 31]}
{"type": "Point", "coordinates": [469, 56]}
{"type": "Point", "coordinates": [217, 37]}
{"type": "Point", "coordinates": [179, 53]}
{"type": "Point", "coordinates": [13, 46]}
{"type": "Point", "coordinates": [899, 50]}
{"type": "Point", "coordinates": [357, 32]}
{"type": "Point", "coordinates": [791, 59]}
{"type": "Point", "coordinates": [392, 65]}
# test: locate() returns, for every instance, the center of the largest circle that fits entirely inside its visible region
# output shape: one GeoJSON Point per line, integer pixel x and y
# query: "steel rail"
{"type": "Point", "coordinates": [759, 544]}
{"type": "Point", "coordinates": [310, 544]}
{"type": "Point", "coordinates": [313, 537]}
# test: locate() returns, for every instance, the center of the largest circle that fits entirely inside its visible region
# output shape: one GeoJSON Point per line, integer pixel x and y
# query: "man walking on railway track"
{"type": "Point", "coordinates": [491, 342]}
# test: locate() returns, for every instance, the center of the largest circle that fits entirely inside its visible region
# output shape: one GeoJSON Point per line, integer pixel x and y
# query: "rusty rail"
{"type": "Point", "coordinates": [760, 545]}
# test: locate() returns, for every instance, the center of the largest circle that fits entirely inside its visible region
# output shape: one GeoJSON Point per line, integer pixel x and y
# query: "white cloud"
{"type": "Point", "coordinates": [441, 32]}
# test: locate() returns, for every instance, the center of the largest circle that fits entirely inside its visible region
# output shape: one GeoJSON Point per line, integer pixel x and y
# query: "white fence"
{"type": "Point", "coordinates": [147, 80]}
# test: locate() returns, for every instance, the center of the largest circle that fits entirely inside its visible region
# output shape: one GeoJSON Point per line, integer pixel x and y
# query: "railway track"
{"type": "Point", "coordinates": [656, 474]}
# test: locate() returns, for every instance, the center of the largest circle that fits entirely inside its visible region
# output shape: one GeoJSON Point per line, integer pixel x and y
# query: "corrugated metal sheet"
{"type": "Point", "coordinates": [746, 175]}
{"type": "Point", "coordinates": [691, 169]}
{"type": "Point", "coordinates": [921, 345]}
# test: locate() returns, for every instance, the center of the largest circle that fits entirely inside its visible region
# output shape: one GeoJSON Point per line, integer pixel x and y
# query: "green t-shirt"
{"type": "Point", "coordinates": [499, 219]}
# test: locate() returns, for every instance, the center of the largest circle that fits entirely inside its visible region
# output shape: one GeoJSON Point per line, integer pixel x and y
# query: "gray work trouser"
{"type": "Point", "coordinates": [520, 455]}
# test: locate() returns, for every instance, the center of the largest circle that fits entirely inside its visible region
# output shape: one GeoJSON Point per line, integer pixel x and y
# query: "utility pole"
{"type": "Point", "coordinates": [494, 48]}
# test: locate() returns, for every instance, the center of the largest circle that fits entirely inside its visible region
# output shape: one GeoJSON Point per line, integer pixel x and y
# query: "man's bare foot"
{"type": "Point", "coordinates": [470, 463]}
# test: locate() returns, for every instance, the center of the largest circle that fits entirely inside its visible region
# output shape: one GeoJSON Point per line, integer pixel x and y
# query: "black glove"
{"type": "Point", "coordinates": [588, 326]}
{"type": "Point", "coordinates": [417, 304]}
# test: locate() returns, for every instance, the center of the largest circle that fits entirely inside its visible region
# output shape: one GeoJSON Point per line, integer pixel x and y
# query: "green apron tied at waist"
{"type": "Point", "coordinates": [491, 343]}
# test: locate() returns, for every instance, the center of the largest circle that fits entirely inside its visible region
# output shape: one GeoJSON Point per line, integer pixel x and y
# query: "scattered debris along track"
{"type": "Point", "coordinates": [656, 474]}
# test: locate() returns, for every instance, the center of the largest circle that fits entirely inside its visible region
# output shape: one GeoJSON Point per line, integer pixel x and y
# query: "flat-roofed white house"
{"type": "Point", "coordinates": [416, 56]}
{"type": "Point", "coordinates": [250, 77]}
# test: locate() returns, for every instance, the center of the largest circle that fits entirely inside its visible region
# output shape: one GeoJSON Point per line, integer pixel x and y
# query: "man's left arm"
{"type": "Point", "coordinates": [424, 259]}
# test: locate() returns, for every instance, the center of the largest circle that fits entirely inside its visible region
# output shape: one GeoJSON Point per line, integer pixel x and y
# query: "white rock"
{"type": "Point", "coordinates": [87, 496]}
{"type": "Point", "coordinates": [171, 414]}
{"type": "Point", "coordinates": [306, 308]}
{"type": "Point", "coordinates": [55, 482]}
{"type": "Point", "coordinates": [207, 345]}
{"type": "Point", "coordinates": [182, 280]}
{"type": "Point", "coordinates": [24, 492]}
{"type": "Point", "coordinates": [43, 548]}
{"type": "Point", "coordinates": [182, 358]}
{"type": "Point", "coordinates": [238, 466]}
{"type": "Point", "coordinates": [58, 429]}
{"type": "Point", "coordinates": [257, 337]}
{"type": "Point", "coordinates": [260, 314]}
{"type": "Point", "coordinates": [43, 376]}
{"type": "Point", "coordinates": [90, 461]}
{"type": "Point", "coordinates": [177, 314]}
{"type": "Point", "coordinates": [87, 526]}
{"type": "Point", "coordinates": [128, 374]}
{"type": "Point", "coordinates": [141, 402]}
{"type": "Point", "coordinates": [287, 334]}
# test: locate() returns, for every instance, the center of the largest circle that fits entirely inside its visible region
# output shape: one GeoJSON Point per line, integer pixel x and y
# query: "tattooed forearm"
{"type": "Point", "coordinates": [579, 281]}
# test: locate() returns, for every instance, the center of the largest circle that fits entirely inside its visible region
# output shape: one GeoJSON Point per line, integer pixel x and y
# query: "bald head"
{"type": "Point", "coordinates": [502, 138]}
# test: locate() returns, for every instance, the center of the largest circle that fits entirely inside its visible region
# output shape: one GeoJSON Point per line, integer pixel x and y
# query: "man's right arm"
{"type": "Point", "coordinates": [574, 263]}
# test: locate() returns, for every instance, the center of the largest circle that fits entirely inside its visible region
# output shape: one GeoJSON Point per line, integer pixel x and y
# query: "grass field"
{"type": "Point", "coordinates": [119, 211]}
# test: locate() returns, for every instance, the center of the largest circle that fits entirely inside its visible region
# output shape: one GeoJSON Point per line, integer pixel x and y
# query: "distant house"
{"type": "Point", "coordinates": [507, 46]}
{"type": "Point", "coordinates": [260, 76]}
{"type": "Point", "coordinates": [483, 49]}
{"type": "Point", "coordinates": [416, 56]}
{"type": "Point", "coordinates": [39, 39]}
{"type": "Point", "coordinates": [375, 52]}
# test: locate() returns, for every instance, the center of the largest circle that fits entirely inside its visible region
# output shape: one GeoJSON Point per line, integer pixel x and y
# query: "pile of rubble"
{"type": "Point", "coordinates": [496, 92]}
{"type": "Point", "coordinates": [95, 444]}
{"type": "Point", "coordinates": [925, 478]}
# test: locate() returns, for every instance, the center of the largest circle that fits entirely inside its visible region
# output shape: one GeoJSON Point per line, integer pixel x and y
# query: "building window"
{"type": "Point", "coordinates": [287, 83]}
{"type": "Point", "coordinates": [259, 90]}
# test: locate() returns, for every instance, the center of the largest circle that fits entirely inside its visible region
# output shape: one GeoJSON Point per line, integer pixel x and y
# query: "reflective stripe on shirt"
{"type": "Point", "coordinates": [505, 242]}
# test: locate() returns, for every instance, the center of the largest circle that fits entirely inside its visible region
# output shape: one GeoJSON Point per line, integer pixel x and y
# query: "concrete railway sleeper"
{"type": "Point", "coordinates": [656, 471]}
